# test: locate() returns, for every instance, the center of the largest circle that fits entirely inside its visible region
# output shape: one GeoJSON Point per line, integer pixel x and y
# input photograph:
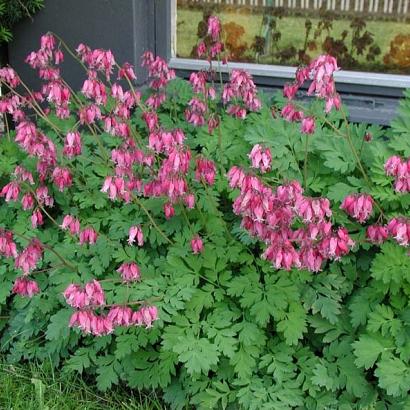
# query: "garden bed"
{"type": "Point", "coordinates": [220, 247]}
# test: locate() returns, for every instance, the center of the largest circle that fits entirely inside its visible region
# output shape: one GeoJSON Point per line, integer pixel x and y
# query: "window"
{"type": "Point", "coordinates": [365, 35]}
{"type": "Point", "coordinates": [269, 38]}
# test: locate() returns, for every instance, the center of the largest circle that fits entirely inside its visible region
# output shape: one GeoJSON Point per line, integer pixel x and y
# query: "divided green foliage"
{"type": "Point", "coordinates": [233, 331]}
{"type": "Point", "coordinates": [12, 11]}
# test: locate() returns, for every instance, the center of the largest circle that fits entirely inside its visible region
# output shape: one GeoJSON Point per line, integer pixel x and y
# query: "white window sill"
{"type": "Point", "coordinates": [288, 73]}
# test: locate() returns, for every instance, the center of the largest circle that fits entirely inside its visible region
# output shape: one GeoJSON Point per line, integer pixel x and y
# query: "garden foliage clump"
{"type": "Point", "coordinates": [226, 248]}
{"type": "Point", "coordinates": [12, 11]}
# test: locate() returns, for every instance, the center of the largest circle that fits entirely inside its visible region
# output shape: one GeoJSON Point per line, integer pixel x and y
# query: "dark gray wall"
{"type": "Point", "coordinates": [126, 27]}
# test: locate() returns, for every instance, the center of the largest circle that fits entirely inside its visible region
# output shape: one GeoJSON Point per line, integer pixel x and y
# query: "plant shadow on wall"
{"type": "Point", "coordinates": [227, 249]}
{"type": "Point", "coordinates": [354, 46]}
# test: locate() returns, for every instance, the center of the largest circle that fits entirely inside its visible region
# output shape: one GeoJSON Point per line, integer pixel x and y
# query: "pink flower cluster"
{"type": "Point", "coordinates": [9, 76]}
{"type": "Point", "coordinates": [36, 144]}
{"type": "Point", "coordinates": [399, 168]}
{"type": "Point", "coordinates": [145, 316]}
{"type": "Point", "coordinates": [7, 246]}
{"type": "Point", "coordinates": [199, 82]}
{"type": "Point", "coordinates": [358, 206]}
{"type": "Point", "coordinates": [214, 27]}
{"type": "Point", "coordinates": [166, 160]}
{"type": "Point", "coordinates": [116, 187]}
{"type": "Point", "coordinates": [168, 169]}
{"type": "Point", "coordinates": [197, 244]}
{"type": "Point", "coordinates": [11, 104]}
{"type": "Point", "coordinates": [62, 178]}
{"type": "Point", "coordinates": [91, 323]}
{"type": "Point", "coordinates": [72, 144]}
{"type": "Point", "coordinates": [197, 112]}
{"type": "Point", "coordinates": [45, 60]}
{"type": "Point", "coordinates": [320, 72]}
{"type": "Point", "coordinates": [99, 325]}
{"type": "Point", "coordinates": [43, 197]}
{"type": "Point", "coordinates": [97, 60]}
{"type": "Point", "coordinates": [26, 261]}
{"type": "Point", "coordinates": [261, 158]}
{"type": "Point", "coordinates": [174, 161]}
{"type": "Point", "coordinates": [37, 219]}
{"type": "Point", "coordinates": [135, 233]}
{"type": "Point", "coordinates": [11, 192]}
{"type": "Point", "coordinates": [161, 75]}
{"type": "Point", "coordinates": [94, 89]}
{"type": "Point", "coordinates": [241, 94]}
{"type": "Point", "coordinates": [115, 117]}
{"type": "Point", "coordinates": [127, 72]}
{"type": "Point", "coordinates": [397, 228]}
{"type": "Point", "coordinates": [205, 171]}
{"type": "Point", "coordinates": [377, 233]}
{"type": "Point", "coordinates": [130, 272]}
{"type": "Point", "coordinates": [22, 175]}
{"type": "Point", "coordinates": [25, 287]}
{"type": "Point", "coordinates": [171, 178]}
{"type": "Point", "coordinates": [296, 229]}
{"type": "Point", "coordinates": [91, 297]}
{"type": "Point", "coordinates": [72, 224]}
{"type": "Point", "coordinates": [211, 46]}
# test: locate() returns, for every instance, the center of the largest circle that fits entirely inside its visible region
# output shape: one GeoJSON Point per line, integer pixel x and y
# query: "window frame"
{"type": "Point", "coordinates": [380, 89]}
{"type": "Point", "coordinates": [369, 79]}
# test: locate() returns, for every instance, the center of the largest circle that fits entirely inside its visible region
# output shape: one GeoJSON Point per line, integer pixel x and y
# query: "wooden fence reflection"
{"type": "Point", "coordinates": [391, 9]}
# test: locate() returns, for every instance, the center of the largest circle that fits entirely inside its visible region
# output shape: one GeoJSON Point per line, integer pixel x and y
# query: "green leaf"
{"type": "Point", "coordinates": [336, 153]}
{"type": "Point", "coordinates": [107, 376]}
{"type": "Point", "coordinates": [360, 306]}
{"type": "Point", "coordinates": [294, 324]}
{"type": "Point", "coordinates": [125, 345]}
{"type": "Point", "coordinates": [58, 328]}
{"type": "Point", "coordinates": [394, 376]}
{"type": "Point", "coordinates": [103, 255]}
{"type": "Point", "coordinates": [199, 300]}
{"type": "Point", "coordinates": [247, 287]}
{"type": "Point", "coordinates": [198, 355]}
{"type": "Point", "coordinates": [225, 340]}
{"type": "Point", "coordinates": [392, 264]}
{"type": "Point", "coordinates": [279, 363]}
{"type": "Point", "coordinates": [355, 380]}
{"type": "Point", "coordinates": [382, 318]}
{"type": "Point", "coordinates": [328, 308]}
{"type": "Point", "coordinates": [367, 350]}
{"type": "Point", "coordinates": [322, 378]}
{"type": "Point", "coordinates": [244, 361]}
{"type": "Point", "coordinates": [339, 191]}
{"type": "Point", "coordinates": [250, 334]}
{"type": "Point", "coordinates": [78, 362]}
{"type": "Point", "coordinates": [262, 311]}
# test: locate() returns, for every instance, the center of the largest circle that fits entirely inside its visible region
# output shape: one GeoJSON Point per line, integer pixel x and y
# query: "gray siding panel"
{"type": "Point", "coordinates": [127, 27]}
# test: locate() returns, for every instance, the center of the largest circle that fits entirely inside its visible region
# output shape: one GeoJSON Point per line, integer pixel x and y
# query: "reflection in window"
{"type": "Point", "coordinates": [366, 35]}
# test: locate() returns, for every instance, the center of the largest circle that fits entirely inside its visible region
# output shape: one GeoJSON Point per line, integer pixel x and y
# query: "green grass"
{"type": "Point", "coordinates": [34, 387]}
{"type": "Point", "coordinates": [292, 29]}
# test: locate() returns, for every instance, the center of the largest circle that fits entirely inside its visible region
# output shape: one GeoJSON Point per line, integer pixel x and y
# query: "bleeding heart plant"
{"type": "Point", "coordinates": [122, 216]}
